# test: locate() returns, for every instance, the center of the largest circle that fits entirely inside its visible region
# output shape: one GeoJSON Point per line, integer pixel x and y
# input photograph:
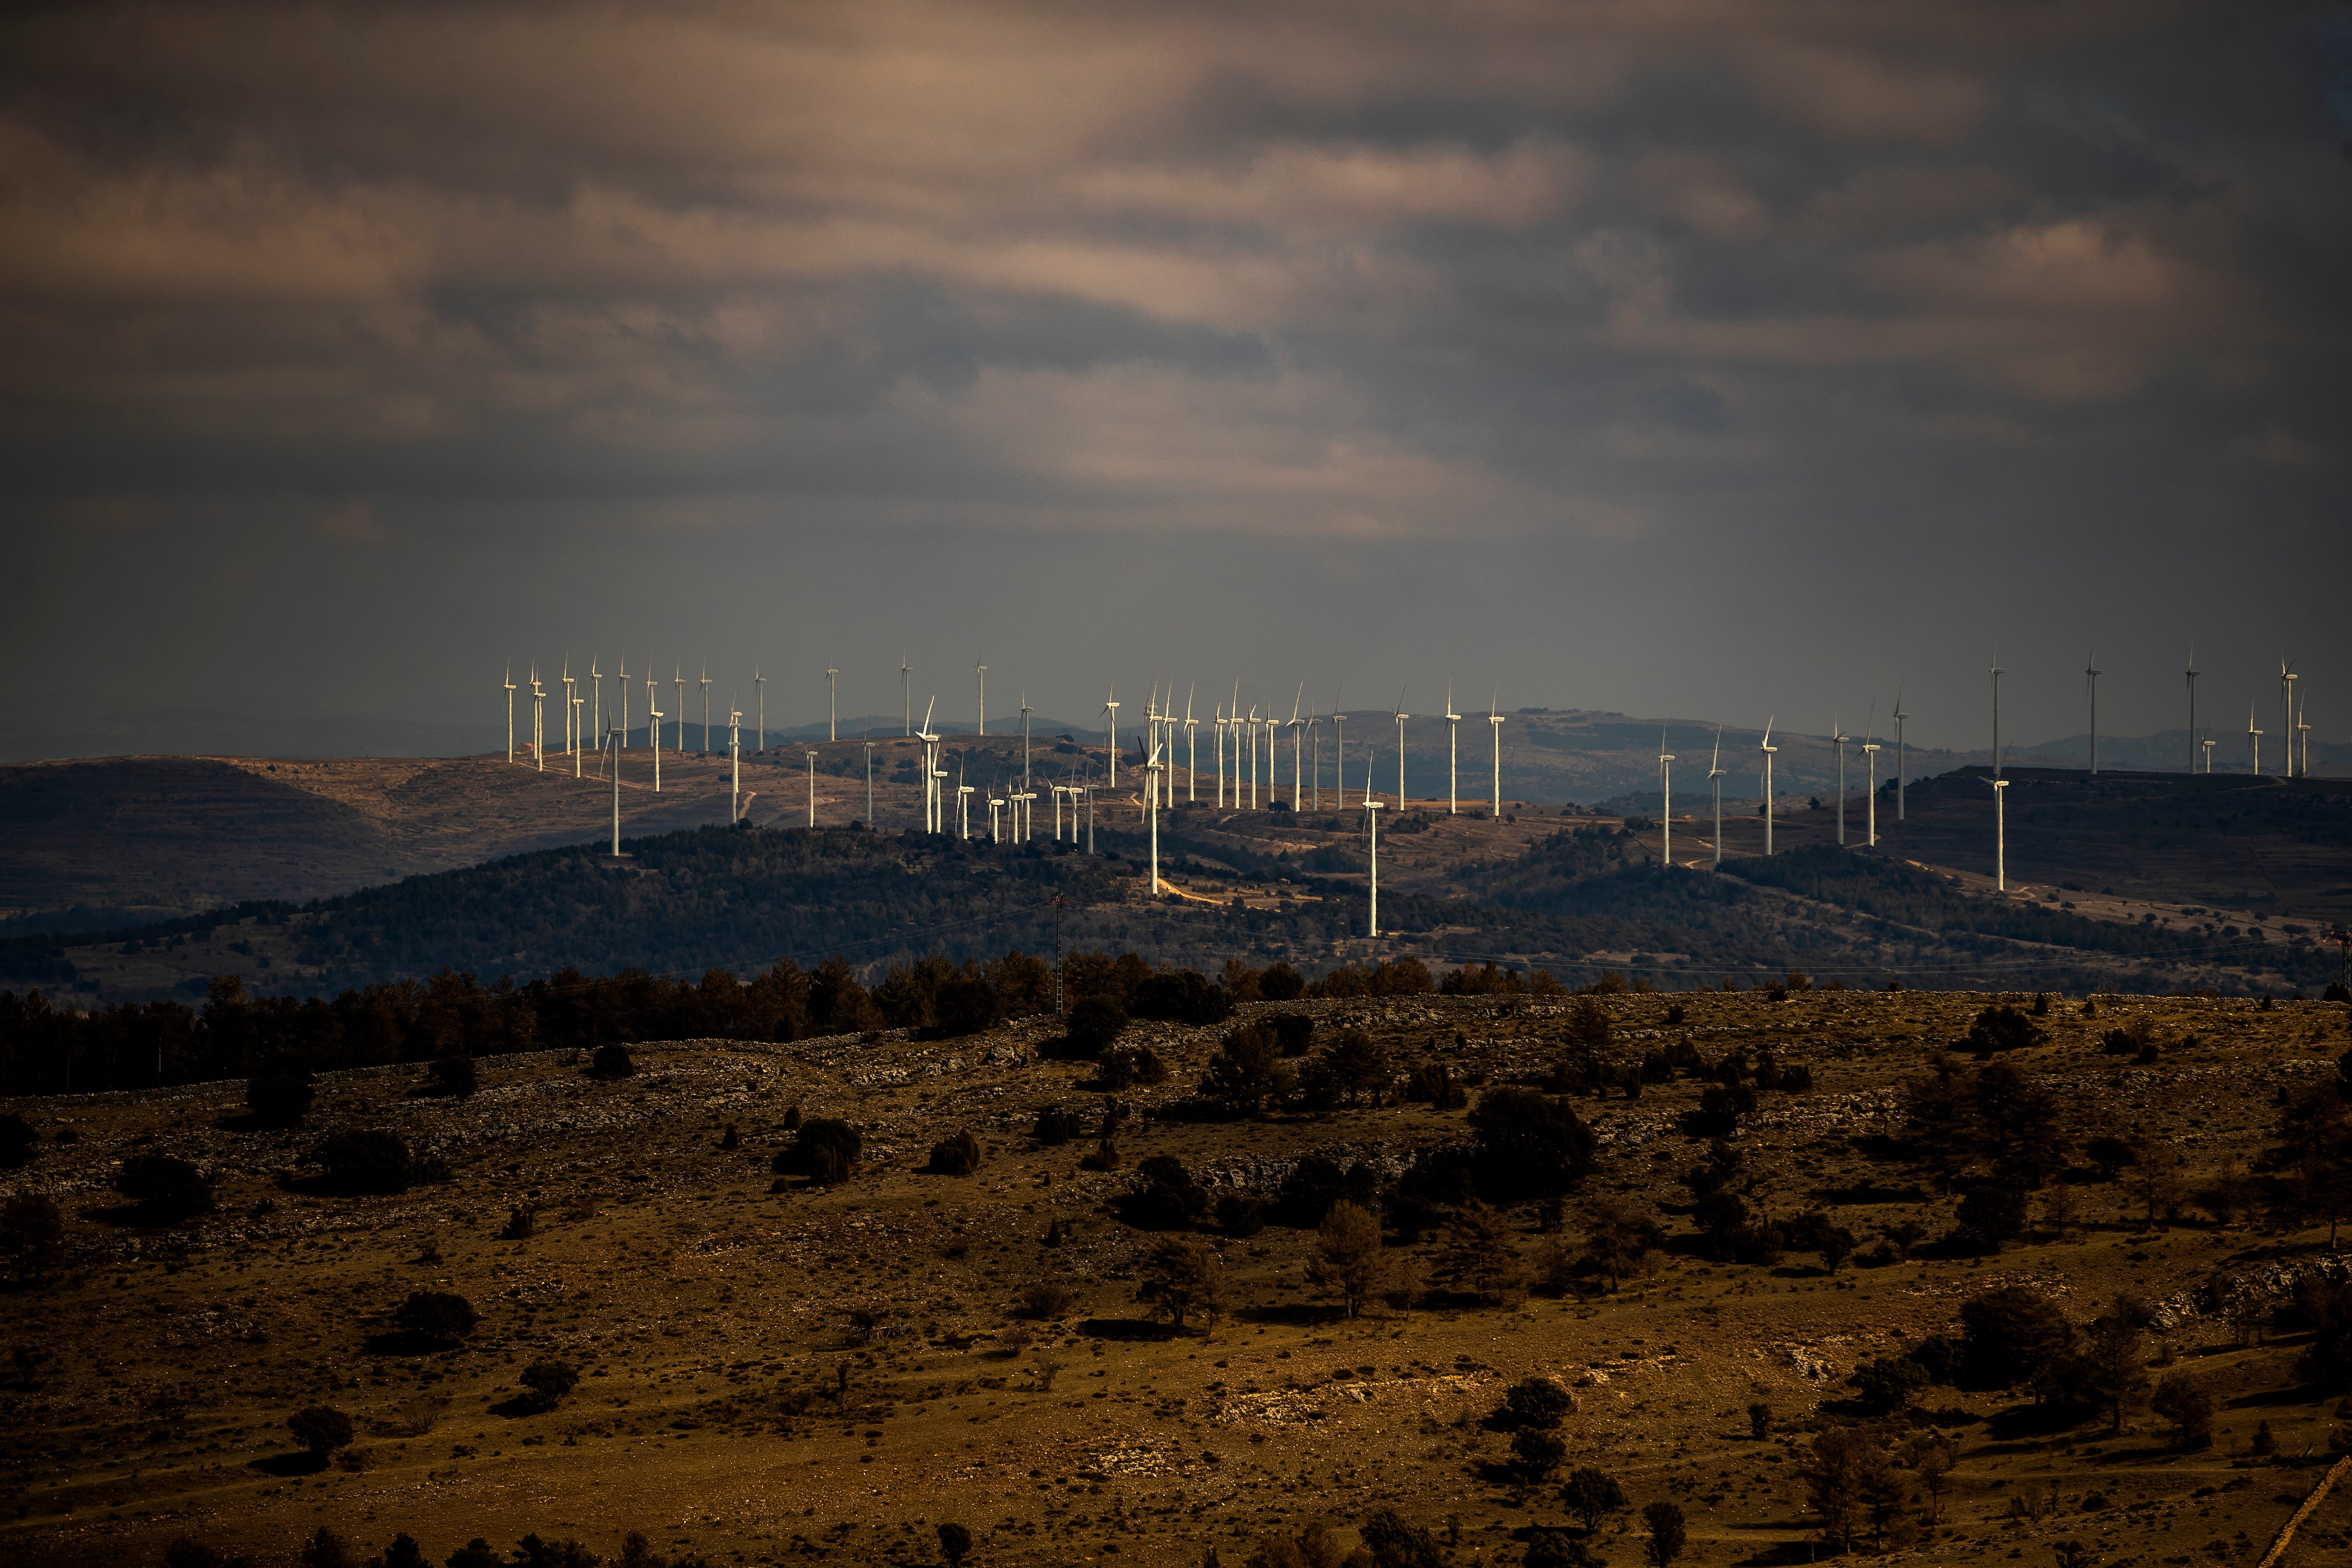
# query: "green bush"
{"type": "Point", "coordinates": [550, 1381]}
{"type": "Point", "coordinates": [437, 1316]}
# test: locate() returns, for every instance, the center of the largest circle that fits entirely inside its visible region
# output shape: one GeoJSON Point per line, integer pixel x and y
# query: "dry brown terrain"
{"type": "Point", "coordinates": [770, 1377]}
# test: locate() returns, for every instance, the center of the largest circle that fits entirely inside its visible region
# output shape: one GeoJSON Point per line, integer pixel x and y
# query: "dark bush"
{"type": "Point", "coordinates": [1535, 1401]}
{"type": "Point", "coordinates": [957, 1154]}
{"type": "Point", "coordinates": [1281, 982]}
{"type": "Point", "coordinates": [825, 1150]}
{"type": "Point", "coordinates": [1056, 1126]}
{"type": "Point", "coordinates": [1095, 1026]}
{"type": "Point", "coordinates": [1165, 1197]}
{"type": "Point", "coordinates": [1433, 1084]}
{"type": "Point", "coordinates": [1293, 1032]}
{"type": "Point", "coordinates": [1046, 1300]}
{"type": "Point", "coordinates": [1246, 1071]}
{"type": "Point", "coordinates": [955, 1543]}
{"type": "Point", "coordinates": [550, 1381]}
{"type": "Point", "coordinates": [1991, 1216]}
{"type": "Point", "coordinates": [2110, 1154]}
{"type": "Point", "coordinates": [187, 1551]}
{"type": "Point", "coordinates": [436, 1316]}
{"type": "Point", "coordinates": [1315, 1183]}
{"type": "Point", "coordinates": [1124, 1066]}
{"type": "Point", "coordinates": [372, 1160]}
{"type": "Point", "coordinates": [2002, 1028]}
{"type": "Point", "coordinates": [17, 1141]}
{"type": "Point", "coordinates": [321, 1428]}
{"type": "Point", "coordinates": [1180, 997]}
{"type": "Point", "coordinates": [453, 1074]}
{"type": "Point", "coordinates": [165, 1189]}
{"type": "Point", "coordinates": [2010, 1336]}
{"type": "Point", "coordinates": [1536, 1454]}
{"type": "Point", "coordinates": [1393, 1543]}
{"type": "Point", "coordinates": [280, 1093]}
{"type": "Point", "coordinates": [611, 1060]}
{"type": "Point", "coordinates": [1530, 1145]}
{"type": "Point", "coordinates": [1886, 1385]}
{"type": "Point", "coordinates": [966, 1004]}
{"type": "Point", "coordinates": [1239, 1215]}
{"type": "Point", "coordinates": [32, 1233]}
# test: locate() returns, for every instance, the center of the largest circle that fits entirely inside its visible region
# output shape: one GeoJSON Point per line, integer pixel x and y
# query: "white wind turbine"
{"type": "Point", "coordinates": [537, 722]}
{"type": "Point", "coordinates": [578, 746]}
{"type": "Point", "coordinates": [654, 716]}
{"type": "Point", "coordinates": [812, 786]}
{"type": "Point", "coordinates": [2303, 734]}
{"type": "Point", "coordinates": [571, 709]}
{"type": "Point", "coordinates": [1768, 748]}
{"type": "Point", "coordinates": [1151, 743]}
{"type": "Point", "coordinates": [1870, 754]}
{"type": "Point", "coordinates": [1401, 716]}
{"type": "Point", "coordinates": [832, 702]}
{"type": "Point", "coordinates": [1665, 798]}
{"type": "Point", "coordinates": [1151, 767]}
{"type": "Point", "coordinates": [2287, 678]}
{"type": "Point", "coordinates": [706, 710]}
{"type": "Point", "coordinates": [1840, 739]}
{"type": "Point", "coordinates": [2208, 743]}
{"type": "Point", "coordinates": [1217, 736]}
{"type": "Point", "coordinates": [760, 684]}
{"type": "Point", "coordinates": [1252, 756]}
{"type": "Point", "coordinates": [1715, 776]}
{"type": "Point", "coordinates": [510, 691]}
{"type": "Point", "coordinates": [1452, 754]}
{"type": "Point", "coordinates": [1111, 735]}
{"type": "Point", "coordinates": [963, 799]}
{"type": "Point", "coordinates": [1494, 801]}
{"type": "Point", "coordinates": [614, 757]}
{"type": "Point", "coordinates": [2254, 740]}
{"type": "Point", "coordinates": [1315, 759]}
{"type": "Point", "coordinates": [1191, 750]}
{"type": "Point", "coordinates": [1372, 832]}
{"type": "Point", "coordinates": [1999, 831]}
{"type": "Point", "coordinates": [906, 682]}
{"type": "Point", "coordinates": [678, 734]}
{"type": "Point", "coordinates": [623, 681]}
{"type": "Point", "coordinates": [1297, 750]}
{"type": "Point", "coordinates": [981, 675]}
{"type": "Point", "coordinates": [933, 772]}
{"type": "Point", "coordinates": [735, 760]}
{"type": "Point", "coordinates": [1902, 758]}
{"type": "Point", "coordinates": [596, 708]}
{"type": "Point", "coordinates": [1273, 754]}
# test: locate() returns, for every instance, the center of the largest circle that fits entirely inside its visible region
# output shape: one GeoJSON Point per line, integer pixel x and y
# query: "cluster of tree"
{"type": "Point", "coordinates": [327, 1547]}
{"type": "Point", "coordinates": [1386, 1540]}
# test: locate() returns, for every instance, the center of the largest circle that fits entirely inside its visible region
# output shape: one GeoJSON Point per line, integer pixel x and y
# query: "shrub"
{"type": "Point", "coordinates": [2183, 1401]}
{"type": "Point", "coordinates": [2011, 1335]}
{"type": "Point", "coordinates": [31, 1232]}
{"type": "Point", "coordinates": [372, 1160]}
{"type": "Point", "coordinates": [1349, 1261]}
{"type": "Point", "coordinates": [1530, 1144]}
{"type": "Point", "coordinates": [1240, 1214]}
{"type": "Point", "coordinates": [1393, 1543]}
{"type": "Point", "coordinates": [1433, 1083]}
{"type": "Point", "coordinates": [1056, 1126]}
{"type": "Point", "coordinates": [965, 1005]}
{"type": "Point", "coordinates": [1535, 1401]}
{"type": "Point", "coordinates": [1182, 996]}
{"type": "Point", "coordinates": [1124, 1066]}
{"type": "Point", "coordinates": [165, 1189]}
{"type": "Point", "coordinates": [1184, 1279]}
{"type": "Point", "coordinates": [1536, 1454]}
{"type": "Point", "coordinates": [825, 1150]}
{"type": "Point", "coordinates": [1095, 1025]}
{"type": "Point", "coordinates": [956, 1156]}
{"type": "Point", "coordinates": [321, 1428]}
{"type": "Point", "coordinates": [476, 1553]}
{"type": "Point", "coordinates": [1991, 1213]}
{"type": "Point", "coordinates": [1246, 1070]}
{"type": "Point", "coordinates": [17, 1141]}
{"type": "Point", "coordinates": [550, 1381]}
{"type": "Point", "coordinates": [1479, 1258]}
{"type": "Point", "coordinates": [453, 1074]}
{"type": "Point", "coordinates": [2002, 1028]}
{"type": "Point", "coordinates": [611, 1060]}
{"type": "Point", "coordinates": [1280, 982]}
{"type": "Point", "coordinates": [955, 1543]}
{"type": "Point", "coordinates": [279, 1093]}
{"type": "Point", "coordinates": [2110, 1154]}
{"type": "Point", "coordinates": [436, 1316]}
{"type": "Point", "coordinates": [1592, 1496]}
{"type": "Point", "coordinates": [2326, 1308]}
{"type": "Point", "coordinates": [1046, 1298]}
{"type": "Point", "coordinates": [187, 1551]}
{"type": "Point", "coordinates": [1165, 1197]}
{"type": "Point", "coordinates": [1886, 1385]}
{"type": "Point", "coordinates": [1293, 1032]}
{"type": "Point", "coordinates": [1667, 1534]}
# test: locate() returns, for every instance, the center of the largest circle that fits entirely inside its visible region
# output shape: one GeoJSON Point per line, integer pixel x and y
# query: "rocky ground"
{"type": "Point", "coordinates": [769, 1376]}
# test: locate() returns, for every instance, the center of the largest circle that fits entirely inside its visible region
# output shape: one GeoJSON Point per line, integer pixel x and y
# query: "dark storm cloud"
{"type": "Point", "coordinates": [1785, 319]}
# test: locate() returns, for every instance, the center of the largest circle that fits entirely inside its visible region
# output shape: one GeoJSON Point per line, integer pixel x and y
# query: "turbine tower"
{"type": "Point", "coordinates": [571, 709]}
{"type": "Point", "coordinates": [677, 736]}
{"type": "Point", "coordinates": [1715, 776]}
{"type": "Point", "coordinates": [1666, 797]}
{"type": "Point", "coordinates": [1452, 754]}
{"type": "Point", "coordinates": [510, 691]}
{"type": "Point", "coordinates": [906, 682]}
{"type": "Point", "coordinates": [1252, 732]}
{"type": "Point", "coordinates": [2302, 735]}
{"type": "Point", "coordinates": [1372, 828]}
{"type": "Point", "coordinates": [1296, 739]}
{"type": "Point", "coordinates": [735, 758]}
{"type": "Point", "coordinates": [1494, 801]}
{"type": "Point", "coordinates": [2287, 678]}
{"type": "Point", "coordinates": [579, 747]}
{"type": "Point", "coordinates": [1902, 757]}
{"type": "Point", "coordinates": [615, 757]}
{"type": "Point", "coordinates": [2193, 673]}
{"type": "Point", "coordinates": [537, 722]}
{"type": "Point", "coordinates": [621, 680]}
{"type": "Point", "coordinates": [1217, 734]}
{"type": "Point", "coordinates": [832, 703]}
{"type": "Point", "coordinates": [1025, 712]}
{"type": "Point", "coordinates": [2091, 674]}
{"type": "Point", "coordinates": [759, 683]}
{"type": "Point", "coordinates": [1110, 732]}
{"type": "Point", "coordinates": [1400, 717]}
{"type": "Point", "coordinates": [981, 675]}
{"type": "Point", "coordinates": [2000, 833]}
{"type": "Point", "coordinates": [706, 710]}
{"type": "Point", "coordinates": [2208, 743]}
{"type": "Point", "coordinates": [1870, 755]}
{"type": "Point", "coordinates": [2254, 740]}
{"type": "Point", "coordinates": [1768, 748]}
{"type": "Point", "coordinates": [1151, 811]}
{"type": "Point", "coordinates": [596, 708]}
{"type": "Point", "coordinates": [1839, 738]}
{"type": "Point", "coordinates": [1997, 673]}
{"type": "Point", "coordinates": [812, 786]}
{"type": "Point", "coordinates": [654, 716]}
{"type": "Point", "coordinates": [1191, 750]}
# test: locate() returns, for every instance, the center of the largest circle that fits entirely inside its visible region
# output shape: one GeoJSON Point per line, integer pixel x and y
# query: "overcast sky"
{"type": "Point", "coordinates": [1669, 356]}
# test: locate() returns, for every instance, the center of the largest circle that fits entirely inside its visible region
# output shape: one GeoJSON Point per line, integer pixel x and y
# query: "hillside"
{"type": "Point", "coordinates": [774, 1371]}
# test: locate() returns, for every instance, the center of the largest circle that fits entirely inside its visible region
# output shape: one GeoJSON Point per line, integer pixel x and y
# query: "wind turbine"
{"type": "Point", "coordinates": [1997, 673]}
{"type": "Point", "coordinates": [735, 758]}
{"type": "Point", "coordinates": [1253, 757]}
{"type": "Point", "coordinates": [1768, 748]}
{"type": "Point", "coordinates": [1025, 712]}
{"type": "Point", "coordinates": [1666, 794]}
{"type": "Point", "coordinates": [760, 684]}
{"type": "Point", "coordinates": [1339, 751]}
{"type": "Point", "coordinates": [2303, 734]}
{"type": "Point", "coordinates": [2091, 674]}
{"type": "Point", "coordinates": [1452, 754]}
{"type": "Point", "coordinates": [571, 709]}
{"type": "Point", "coordinates": [1902, 758]}
{"type": "Point", "coordinates": [1372, 828]}
{"type": "Point", "coordinates": [1110, 741]}
{"type": "Point", "coordinates": [963, 799]}
{"type": "Point", "coordinates": [1217, 735]}
{"type": "Point", "coordinates": [981, 675]}
{"type": "Point", "coordinates": [623, 681]}
{"type": "Point", "coordinates": [1999, 831]}
{"type": "Point", "coordinates": [537, 722]}
{"type": "Point", "coordinates": [1191, 750]}
{"type": "Point", "coordinates": [1495, 802]}
{"type": "Point", "coordinates": [596, 708]}
{"type": "Point", "coordinates": [2255, 739]}
{"type": "Point", "coordinates": [1715, 776]}
{"type": "Point", "coordinates": [2208, 743]}
{"type": "Point", "coordinates": [2192, 714]}
{"type": "Point", "coordinates": [832, 703]}
{"type": "Point", "coordinates": [1151, 810]}
{"type": "Point", "coordinates": [869, 783]}
{"type": "Point", "coordinates": [1870, 754]}
{"type": "Point", "coordinates": [931, 775]}
{"type": "Point", "coordinates": [812, 786]}
{"type": "Point", "coordinates": [1839, 738]}
{"type": "Point", "coordinates": [654, 716]}
{"type": "Point", "coordinates": [1401, 716]}
{"type": "Point", "coordinates": [1295, 740]}
{"type": "Point", "coordinates": [706, 710]}
{"type": "Point", "coordinates": [616, 799]}
{"type": "Point", "coordinates": [1273, 754]}
{"type": "Point", "coordinates": [579, 747]}
{"type": "Point", "coordinates": [678, 738]}
{"type": "Point", "coordinates": [510, 691]}
{"type": "Point", "coordinates": [906, 681]}
{"type": "Point", "coordinates": [1315, 759]}
{"type": "Point", "coordinates": [2287, 678]}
